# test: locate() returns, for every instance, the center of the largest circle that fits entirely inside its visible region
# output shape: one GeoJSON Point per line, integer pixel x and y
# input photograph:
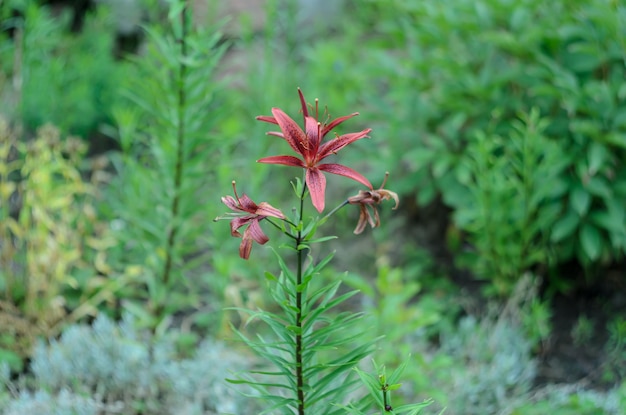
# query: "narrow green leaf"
{"type": "Point", "coordinates": [414, 408]}
{"type": "Point", "coordinates": [282, 402]}
{"type": "Point", "coordinates": [372, 385]}
{"type": "Point", "coordinates": [251, 382]}
{"type": "Point", "coordinates": [323, 239]}
{"type": "Point", "coordinates": [395, 376]}
{"type": "Point", "coordinates": [320, 265]}
{"type": "Point", "coordinates": [267, 373]}
{"type": "Point", "coordinates": [295, 329]}
{"type": "Point", "coordinates": [310, 318]}
{"type": "Point", "coordinates": [288, 305]}
{"type": "Point", "coordinates": [309, 231]}
{"type": "Point", "coordinates": [297, 187]}
{"type": "Point", "coordinates": [359, 283]}
{"type": "Point", "coordinates": [284, 268]}
{"type": "Point", "coordinates": [288, 246]}
{"type": "Point", "coordinates": [312, 300]}
{"type": "Point", "coordinates": [176, 8]}
{"type": "Point", "coordinates": [331, 394]}
{"type": "Point", "coordinates": [318, 337]}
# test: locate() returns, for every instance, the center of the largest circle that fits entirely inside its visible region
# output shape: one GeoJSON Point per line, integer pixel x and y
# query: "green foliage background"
{"type": "Point", "coordinates": [511, 114]}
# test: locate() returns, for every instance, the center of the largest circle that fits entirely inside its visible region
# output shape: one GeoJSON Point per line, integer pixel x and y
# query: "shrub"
{"type": "Point", "coordinates": [69, 80]}
{"type": "Point", "coordinates": [574, 400]}
{"type": "Point", "coordinates": [493, 366]}
{"type": "Point", "coordinates": [112, 368]}
{"type": "Point", "coordinates": [466, 69]}
{"type": "Point", "coordinates": [52, 247]}
{"type": "Point", "coordinates": [166, 166]}
{"type": "Point", "coordinates": [480, 366]}
{"type": "Point", "coordinates": [41, 402]}
{"type": "Point", "coordinates": [510, 201]}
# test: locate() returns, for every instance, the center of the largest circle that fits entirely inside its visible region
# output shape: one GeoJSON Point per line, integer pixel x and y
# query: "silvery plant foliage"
{"type": "Point", "coordinates": [111, 368]}
{"type": "Point", "coordinates": [496, 366]}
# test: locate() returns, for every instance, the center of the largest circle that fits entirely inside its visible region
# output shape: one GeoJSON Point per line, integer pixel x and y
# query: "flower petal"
{"type": "Point", "coordinates": [313, 137]}
{"type": "Point", "coordinates": [267, 118]}
{"type": "Point", "coordinates": [292, 131]}
{"type": "Point", "coordinates": [255, 232]}
{"type": "Point", "coordinates": [305, 110]}
{"type": "Point", "coordinates": [316, 182]}
{"type": "Point", "coordinates": [336, 122]}
{"type": "Point", "coordinates": [245, 247]}
{"type": "Point", "coordinates": [252, 233]}
{"type": "Point", "coordinates": [336, 144]}
{"type": "Point", "coordinates": [238, 223]}
{"type": "Point", "coordinates": [388, 194]}
{"type": "Point", "coordinates": [284, 160]}
{"type": "Point", "coordinates": [363, 197]}
{"type": "Point", "coordinates": [376, 217]}
{"type": "Point", "coordinates": [277, 134]}
{"type": "Point", "coordinates": [247, 205]}
{"type": "Point", "coordinates": [265, 209]}
{"type": "Point", "coordinates": [231, 203]}
{"type": "Point", "coordinates": [364, 217]}
{"type": "Point", "coordinates": [342, 170]}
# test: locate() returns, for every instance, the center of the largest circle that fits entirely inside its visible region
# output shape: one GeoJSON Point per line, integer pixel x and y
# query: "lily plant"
{"type": "Point", "coordinates": [312, 349]}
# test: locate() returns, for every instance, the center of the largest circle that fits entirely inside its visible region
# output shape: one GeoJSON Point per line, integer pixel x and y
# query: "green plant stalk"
{"type": "Point", "coordinates": [299, 368]}
{"type": "Point", "coordinates": [180, 140]}
{"type": "Point", "coordinates": [299, 296]}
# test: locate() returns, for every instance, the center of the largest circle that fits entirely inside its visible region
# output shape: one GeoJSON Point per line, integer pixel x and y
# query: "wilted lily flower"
{"type": "Point", "coordinates": [308, 144]}
{"type": "Point", "coordinates": [248, 213]}
{"type": "Point", "coordinates": [372, 198]}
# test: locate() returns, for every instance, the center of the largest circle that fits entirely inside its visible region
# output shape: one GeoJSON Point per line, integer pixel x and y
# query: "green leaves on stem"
{"type": "Point", "coordinates": [380, 387]}
{"type": "Point", "coordinates": [331, 346]}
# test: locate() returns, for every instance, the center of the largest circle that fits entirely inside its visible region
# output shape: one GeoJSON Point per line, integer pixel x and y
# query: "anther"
{"type": "Point", "coordinates": [235, 191]}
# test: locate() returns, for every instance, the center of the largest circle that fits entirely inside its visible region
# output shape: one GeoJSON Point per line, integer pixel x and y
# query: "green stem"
{"type": "Point", "coordinates": [299, 343]}
{"type": "Point", "coordinates": [299, 238]}
{"type": "Point", "coordinates": [332, 212]}
{"type": "Point", "coordinates": [180, 140]}
{"type": "Point", "coordinates": [277, 226]}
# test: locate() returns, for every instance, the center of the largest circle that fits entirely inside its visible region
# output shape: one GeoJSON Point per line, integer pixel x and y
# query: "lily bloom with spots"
{"type": "Point", "coordinates": [372, 198]}
{"type": "Point", "coordinates": [248, 213]}
{"type": "Point", "coordinates": [308, 144]}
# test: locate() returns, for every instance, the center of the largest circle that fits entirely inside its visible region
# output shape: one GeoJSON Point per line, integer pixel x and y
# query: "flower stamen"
{"type": "Point", "coordinates": [234, 183]}
{"type": "Point", "coordinates": [317, 114]}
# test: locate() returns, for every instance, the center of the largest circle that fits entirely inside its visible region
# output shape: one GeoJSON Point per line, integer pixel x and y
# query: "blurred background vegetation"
{"type": "Point", "coordinates": [502, 124]}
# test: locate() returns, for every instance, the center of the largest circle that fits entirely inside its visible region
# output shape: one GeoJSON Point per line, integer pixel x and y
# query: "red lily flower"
{"type": "Point", "coordinates": [372, 198]}
{"type": "Point", "coordinates": [308, 144]}
{"type": "Point", "coordinates": [248, 213]}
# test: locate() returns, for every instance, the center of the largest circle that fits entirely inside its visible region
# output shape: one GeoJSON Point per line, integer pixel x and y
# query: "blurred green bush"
{"type": "Point", "coordinates": [51, 75]}
{"type": "Point", "coordinates": [461, 74]}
